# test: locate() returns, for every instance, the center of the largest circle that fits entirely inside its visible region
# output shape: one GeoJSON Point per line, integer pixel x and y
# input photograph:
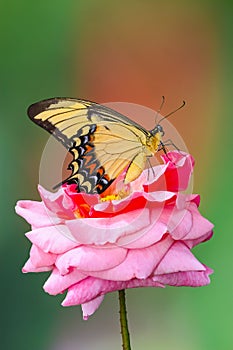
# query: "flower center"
{"type": "Point", "coordinates": [82, 211]}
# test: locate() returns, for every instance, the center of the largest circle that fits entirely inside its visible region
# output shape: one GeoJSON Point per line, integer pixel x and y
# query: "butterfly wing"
{"type": "Point", "coordinates": [102, 141]}
{"type": "Point", "coordinates": [100, 156]}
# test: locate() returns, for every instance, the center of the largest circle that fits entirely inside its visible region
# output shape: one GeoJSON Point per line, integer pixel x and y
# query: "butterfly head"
{"type": "Point", "coordinates": [158, 129]}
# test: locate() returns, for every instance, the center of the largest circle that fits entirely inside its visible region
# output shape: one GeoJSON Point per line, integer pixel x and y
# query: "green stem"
{"type": "Point", "coordinates": [124, 322]}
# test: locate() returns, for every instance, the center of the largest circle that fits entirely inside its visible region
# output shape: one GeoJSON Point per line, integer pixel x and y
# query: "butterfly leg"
{"type": "Point", "coordinates": [150, 168]}
{"type": "Point", "coordinates": [162, 147]}
{"type": "Point", "coordinates": [169, 142]}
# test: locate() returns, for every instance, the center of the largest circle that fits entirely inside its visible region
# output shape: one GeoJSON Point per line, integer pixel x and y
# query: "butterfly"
{"type": "Point", "coordinates": [102, 141]}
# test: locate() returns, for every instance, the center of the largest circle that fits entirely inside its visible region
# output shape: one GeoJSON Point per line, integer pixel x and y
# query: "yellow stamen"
{"type": "Point", "coordinates": [110, 197]}
{"type": "Point", "coordinates": [79, 214]}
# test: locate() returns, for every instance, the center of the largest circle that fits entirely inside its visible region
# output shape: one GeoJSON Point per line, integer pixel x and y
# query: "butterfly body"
{"type": "Point", "coordinates": [103, 142]}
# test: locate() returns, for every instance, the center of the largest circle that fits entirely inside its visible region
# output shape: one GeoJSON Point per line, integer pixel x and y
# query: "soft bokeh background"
{"type": "Point", "coordinates": [133, 51]}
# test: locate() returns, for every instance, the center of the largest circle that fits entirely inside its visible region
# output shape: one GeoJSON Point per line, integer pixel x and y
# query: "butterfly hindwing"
{"type": "Point", "coordinates": [99, 156]}
{"type": "Point", "coordinates": [85, 166]}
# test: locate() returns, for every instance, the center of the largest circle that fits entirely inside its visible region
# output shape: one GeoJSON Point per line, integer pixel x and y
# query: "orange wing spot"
{"type": "Point", "coordinates": [88, 148]}
{"type": "Point", "coordinates": [99, 187]}
{"type": "Point", "coordinates": [100, 171]}
{"type": "Point", "coordinates": [107, 177]}
{"type": "Point", "coordinates": [92, 168]}
{"type": "Point", "coordinates": [91, 138]}
{"type": "Point", "coordinates": [87, 159]}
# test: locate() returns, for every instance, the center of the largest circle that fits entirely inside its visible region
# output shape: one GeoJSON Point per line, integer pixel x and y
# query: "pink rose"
{"type": "Point", "coordinates": [144, 239]}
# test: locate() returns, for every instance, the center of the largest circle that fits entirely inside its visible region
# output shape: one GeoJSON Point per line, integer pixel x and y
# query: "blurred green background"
{"type": "Point", "coordinates": [133, 51]}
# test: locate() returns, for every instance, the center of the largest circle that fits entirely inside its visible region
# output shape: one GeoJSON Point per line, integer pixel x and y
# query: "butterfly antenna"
{"type": "Point", "coordinates": [161, 106]}
{"type": "Point", "coordinates": [168, 115]}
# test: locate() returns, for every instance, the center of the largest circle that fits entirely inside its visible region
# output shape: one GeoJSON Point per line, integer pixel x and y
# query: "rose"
{"type": "Point", "coordinates": [142, 239]}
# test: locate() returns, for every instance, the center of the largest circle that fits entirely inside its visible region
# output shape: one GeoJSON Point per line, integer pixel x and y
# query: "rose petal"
{"type": "Point", "coordinates": [90, 259]}
{"type": "Point", "coordinates": [35, 213]}
{"type": "Point", "coordinates": [187, 278]}
{"type": "Point", "coordinates": [144, 239]}
{"type": "Point", "coordinates": [189, 224]}
{"type": "Point", "coordinates": [52, 239]}
{"type": "Point", "coordinates": [178, 258]}
{"type": "Point", "coordinates": [41, 259]}
{"type": "Point", "coordinates": [193, 242]}
{"type": "Point", "coordinates": [57, 283]}
{"type": "Point", "coordinates": [179, 170]}
{"type": "Point", "coordinates": [200, 225]}
{"type": "Point", "coordinates": [175, 175]}
{"type": "Point", "coordinates": [58, 203]}
{"type": "Point", "coordinates": [180, 223]}
{"type": "Point", "coordinates": [139, 263]}
{"type": "Point", "coordinates": [90, 288]}
{"type": "Point", "coordinates": [29, 267]}
{"type": "Point", "coordinates": [135, 201]}
{"type": "Point", "coordinates": [79, 198]}
{"type": "Point", "coordinates": [108, 230]}
{"type": "Point", "coordinates": [90, 307]}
